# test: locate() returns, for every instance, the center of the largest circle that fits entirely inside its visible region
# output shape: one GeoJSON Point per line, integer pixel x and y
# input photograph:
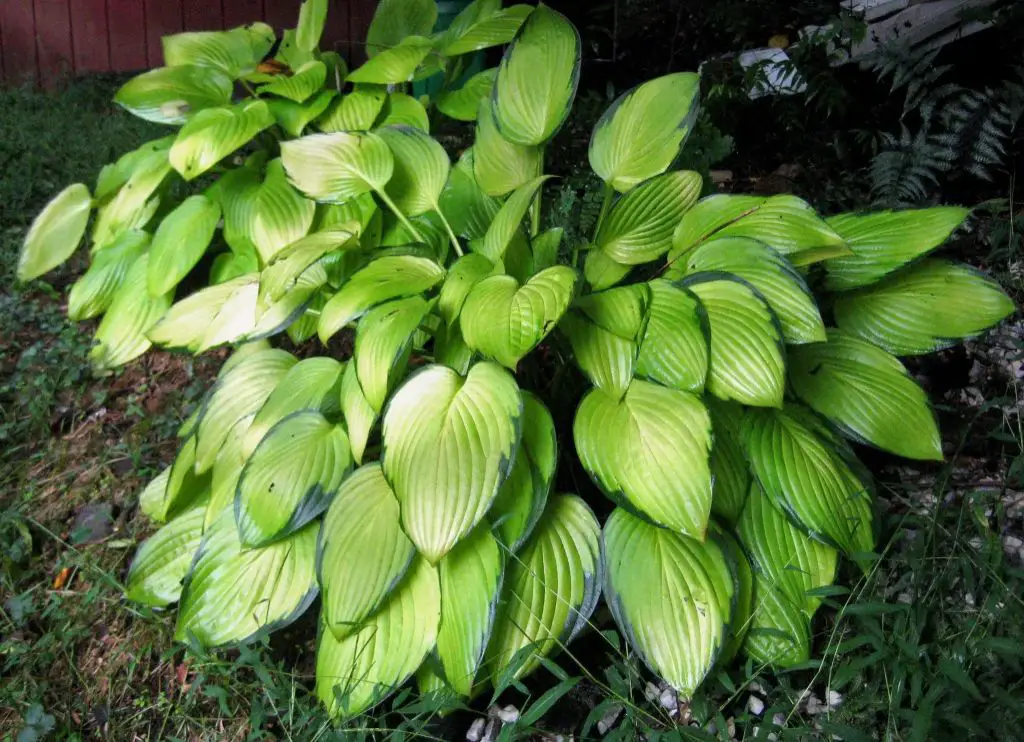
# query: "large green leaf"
{"type": "Point", "coordinates": [360, 417]}
{"type": "Point", "coordinates": [240, 391]}
{"type": "Point", "coordinates": [674, 351]}
{"type": "Point", "coordinates": [482, 25]}
{"type": "Point", "coordinates": [288, 265]}
{"type": "Point", "coordinates": [234, 594]}
{"type": "Point", "coordinates": [338, 167]}
{"type": "Point", "coordinates": [281, 215]}
{"type": "Point", "coordinates": [421, 169]}
{"type": "Point", "coordinates": [295, 117]}
{"type": "Point", "coordinates": [182, 486]}
{"type": "Point", "coordinates": [235, 52]}
{"type": "Point", "coordinates": [383, 279]}
{"type": "Point", "coordinates": [152, 496]}
{"type": "Point", "coordinates": [164, 558]}
{"type": "Point", "coordinates": [747, 361]}
{"type": "Point", "coordinates": [135, 202]}
{"type": "Point", "coordinates": [383, 338]}
{"type": "Point", "coordinates": [649, 450]}
{"type": "Point", "coordinates": [470, 585]}
{"type": "Point", "coordinates": [640, 224]}
{"type": "Point", "coordinates": [730, 472]}
{"type": "Point", "coordinates": [121, 336]}
{"type": "Point", "coordinates": [886, 240]}
{"type": "Point", "coordinates": [464, 104]}
{"type": "Point", "coordinates": [180, 241]}
{"type": "Point", "coordinates": [355, 111]}
{"type": "Point", "coordinates": [537, 78]}
{"type": "Point", "coordinates": [464, 203]}
{"type": "Point", "coordinates": [808, 480]}
{"type": "Point", "coordinates": [499, 165]}
{"type": "Point", "coordinates": [214, 133]}
{"type": "Point", "coordinates": [92, 294]}
{"type": "Point", "coordinates": [744, 605]}
{"type": "Point", "coordinates": [867, 393]}
{"type": "Point", "coordinates": [449, 443]}
{"type": "Point", "coordinates": [786, 223]}
{"type": "Point", "coordinates": [605, 331]}
{"type": "Point", "coordinates": [216, 315]}
{"type": "Point", "coordinates": [173, 95]}
{"type": "Point", "coordinates": [524, 494]}
{"type": "Point", "coordinates": [114, 175]}
{"type": "Point", "coordinates": [291, 477]}
{"type": "Point", "coordinates": [362, 669]}
{"type": "Point", "coordinates": [671, 596]}
{"type": "Point", "coordinates": [602, 272]}
{"type": "Point", "coordinates": [505, 321]}
{"type": "Point", "coordinates": [309, 29]}
{"type": "Point", "coordinates": [640, 135]}
{"type": "Point", "coordinates": [227, 468]}
{"type": "Point", "coordinates": [395, 65]}
{"type": "Point", "coordinates": [779, 283]}
{"type": "Point", "coordinates": [507, 221]}
{"type": "Point", "coordinates": [394, 20]}
{"type": "Point", "coordinates": [236, 191]}
{"type": "Point", "coordinates": [56, 232]}
{"type": "Point", "coordinates": [463, 275]}
{"type": "Point", "coordinates": [401, 109]}
{"type": "Point", "coordinates": [300, 86]}
{"type": "Point", "coordinates": [550, 590]}
{"type": "Point", "coordinates": [363, 553]}
{"type": "Point", "coordinates": [925, 307]}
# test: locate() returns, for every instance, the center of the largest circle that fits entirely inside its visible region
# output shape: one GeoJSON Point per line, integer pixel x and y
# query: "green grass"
{"type": "Point", "coordinates": [928, 645]}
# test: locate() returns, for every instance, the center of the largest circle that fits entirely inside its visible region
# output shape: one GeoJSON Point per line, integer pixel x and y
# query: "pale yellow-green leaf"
{"type": "Point", "coordinates": [394, 65]}
{"type": "Point", "coordinates": [401, 109]}
{"type": "Point", "coordinates": [55, 232]}
{"type": "Point", "coordinates": [281, 215]}
{"type": "Point", "coordinates": [174, 95]}
{"type": "Point", "coordinates": [338, 167]}
{"type": "Point", "coordinates": [420, 170]}
{"type": "Point", "coordinates": [301, 85]}
{"type": "Point", "coordinates": [464, 104]}
{"type": "Point", "coordinates": [355, 111]}
{"type": "Point", "coordinates": [180, 241]}
{"type": "Point", "coordinates": [383, 339]}
{"type": "Point", "coordinates": [674, 351]}
{"type": "Point", "coordinates": [499, 165]}
{"type": "Point", "coordinates": [214, 133]}
{"type": "Point", "coordinates": [164, 558]}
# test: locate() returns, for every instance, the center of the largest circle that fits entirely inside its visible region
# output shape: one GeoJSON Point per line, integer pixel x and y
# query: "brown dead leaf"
{"type": "Point", "coordinates": [62, 579]}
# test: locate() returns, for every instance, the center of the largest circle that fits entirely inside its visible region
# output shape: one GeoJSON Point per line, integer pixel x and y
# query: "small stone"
{"type": "Point", "coordinates": [779, 720]}
{"type": "Point", "coordinates": [669, 700]}
{"type": "Point", "coordinates": [476, 730]}
{"type": "Point", "coordinates": [651, 692]}
{"type": "Point", "coordinates": [730, 727]}
{"type": "Point", "coordinates": [508, 715]}
{"type": "Point", "coordinates": [608, 720]}
{"type": "Point", "coordinates": [835, 700]}
{"type": "Point", "coordinates": [755, 705]}
{"type": "Point", "coordinates": [815, 706]}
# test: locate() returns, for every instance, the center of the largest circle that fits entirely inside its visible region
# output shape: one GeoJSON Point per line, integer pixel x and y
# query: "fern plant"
{"type": "Point", "coordinates": [406, 474]}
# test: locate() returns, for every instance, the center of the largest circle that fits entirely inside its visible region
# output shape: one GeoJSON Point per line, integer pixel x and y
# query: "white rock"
{"type": "Point", "coordinates": [669, 700]}
{"type": "Point", "coordinates": [476, 730]}
{"type": "Point", "coordinates": [508, 715]}
{"type": "Point", "coordinates": [755, 705]}
{"type": "Point", "coordinates": [608, 720]}
{"type": "Point", "coordinates": [651, 692]}
{"type": "Point", "coordinates": [835, 700]}
{"type": "Point", "coordinates": [779, 720]}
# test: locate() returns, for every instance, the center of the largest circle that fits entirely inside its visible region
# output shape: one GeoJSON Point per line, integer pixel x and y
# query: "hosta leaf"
{"type": "Point", "coordinates": [180, 241]}
{"type": "Point", "coordinates": [506, 222]}
{"type": "Point", "coordinates": [151, 499]}
{"type": "Point", "coordinates": [304, 328]}
{"type": "Point", "coordinates": [551, 587]}
{"type": "Point", "coordinates": [925, 307]}
{"type": "Point", "coordinates": [401, 109]}
{"type": "Point", "coordinates": [786, 223]}
{"type": "Point", "coordinates": [234, 52]}
{"type": "Point", "coordinates": [674, 351]}
{"type": "Point", "coordinates": [639, 225]}
{"type": "Point", "coordinates": [163, 559]}
{"type": "Point", "coordinates": [744, 604]}
{"type": "Point", "coordinates": [394, 65]}
{"type": "Point", "coordinates": [213, 134]}
{"type": "Point", "coordinates": [383, 338]}
{"type": "Point", "coordinates": [383, 279]}
{"type": "Point", "coordinates": [227, 468]}
{"type": "Point", "coordinates": [470, 577]}
{"type": "Point", "coordinates": [173, 95]}
{"type": "Point", "coordinates": [237, 191]}
{"type": "Point", "coordinates": [394, 20]}
{"type": "Point", "coordinates": [281, 214]}
{"type": "Point", "coordinates": [602, 272]}
{"type": "Point", "coordinates": [275, 317]}
{"type": "Point", "coordinates": [289, 53]}
{"type": "Point", "coordinates": [362, 669]}
{"type": "Point", "coordinates": [212, 316]}
{"type": "Point", "coordinates": [747, 358]}
{"type": "Point", "coordinates": [464, 103]}
{"type": "Point", "coordinates": [135, 202]}
{"type": "Point", "coordinates": [234, 595]}
{"type": "Point", "coordinates": [113, 176]}
{"type": "Point", "coordinates": [499, 165]}
{"type": "Point", "coordinates": [311, 384]}
{"type": "Point", "coordinates": [121, 336]}
{"type": "Point", "coordinates": [92, 294]}
{"type": "Point", "coordinates": [309, 29]}
{"type": "Point", "coordinates": [229, 265]}
{"type": "Point", "coordinates": [780, 285]}
{"type": "Point", "coordinates": [482, 27]}
{"type": "Point", "coordinates": [355, 111]}
{"type": "Point", "coordinates": [360, 416]}
{"type": "Point", "coordinates": [730, 473]}
{"type": "Point", "coordinates": [363, 553]}
{"type": "Point", "coordinates": [649, 450]}
{"type": "Point", "coordinates": [450, 349]}
{"type": "Point", "coordinates": [300, 86]}
{"type": "Point", "coordinates": [505, 321]}
{"type": "Point", "coordinates": [867, 393]}
{"type": "Point", "coordinates": [621, 311]}
{"type": "Point", "coordinates": [361, 210]}
{"type": "Point", "coordinates": [338, 167]}
{"type": "Point", "coordinates": [55, 233]}
{"type": "Point", "coordinates": [779, 634]}
{"type": "Point", "coordinates": [291, 262]}
{"type": "Point", "coordinates": [808, 481]}
{"type": "Point", "coordinates": [449, 443]}
{"type": "Point", "coordinates": [537, 78]}
{"type": "Point", "coordinates": [421, 169]}
{"type": "Point", "coordinates": [469, 210]}
{"type": "Point", "coordinates": [670, 595]}
{"type": "Point", "coordinates": [545, 248]}
{"type": "Point", "coordinates": [640, 135]}
{"type": "Point", "coordinates": [295, 117]}
{"type": "Point", "coordinates": [524, 494]}
{"type": "Point", "coordinates": [886, 240]}
{"type": "Point", "coordinates": [240, 391]}
{"type": "Point", "coordinates": [464, 274]}
{"type": "Point", "coordinates": [183, 486]}
{"type": "Point", "coordinates": [291, 477]}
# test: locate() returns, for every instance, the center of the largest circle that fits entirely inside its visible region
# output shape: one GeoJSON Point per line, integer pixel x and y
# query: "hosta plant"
{"type": "Point", "coordinates": [731, 351]}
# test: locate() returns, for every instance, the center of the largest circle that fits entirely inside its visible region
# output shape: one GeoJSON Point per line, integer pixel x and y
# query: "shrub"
{"type": "Point", "coordinates": [406, 473]}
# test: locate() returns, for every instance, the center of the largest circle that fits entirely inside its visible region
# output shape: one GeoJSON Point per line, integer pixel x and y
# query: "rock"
{"type": "Point", "coordinates": [607, 721]}
{"type": "Point", "coordinates": [476, 730]}
{"type": "Point", "coordinates": [835, 700]}
{"type": "Point", "coordinates": [93, 523]}
{"type": "Point", "coordinates": [755, 705]}
{"type": "Point", "coordinates": [669, 700]}
{"type": "Point", "coordinates": [507, 715]}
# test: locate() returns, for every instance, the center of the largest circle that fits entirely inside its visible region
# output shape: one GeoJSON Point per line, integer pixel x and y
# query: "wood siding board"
{"type": "Point", "coordinates": [163, 17]}
{"type": "Point", "coordinates": [18, 33]}
{"type": "Point", "coordinates": [126, 24]}
{"type": "Point", "coordinates": [203, 15]}
{"type": "Point", "coordinates": [53, 40]}
{"type": "Point", "coordinates": [281, 14]}
{"type": "Point", "coordinates": [360, 15]}
{"type": "Point", "coordinates": [90, 36]}
{"type": "Point", "coordinates": [336, 31]}
{"type": "Point", "coordinates": [241, 12]}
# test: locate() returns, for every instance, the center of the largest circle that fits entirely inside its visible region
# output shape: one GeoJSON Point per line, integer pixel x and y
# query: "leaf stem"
{"type": "Point", "coordinates": [401, 217]}
{"type": "Point", "coordinates": [605, 205]}
{"type": "Point", "coordinates": [451, 232]}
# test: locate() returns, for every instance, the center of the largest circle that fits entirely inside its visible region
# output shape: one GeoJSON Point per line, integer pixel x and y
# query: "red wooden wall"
{"type": "Point", "coordinates": [48, 39]}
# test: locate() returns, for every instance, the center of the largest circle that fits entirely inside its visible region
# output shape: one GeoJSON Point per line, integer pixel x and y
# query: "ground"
{"type": "Point", "coordinates": [928, 644]}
